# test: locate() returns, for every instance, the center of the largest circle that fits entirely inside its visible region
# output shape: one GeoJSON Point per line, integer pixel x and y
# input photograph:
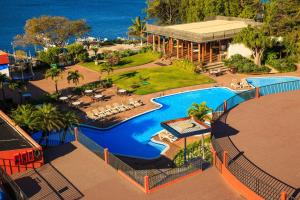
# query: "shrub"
{"type": "Point", "coordinates": [282, 65]}
{"type": "Point", "coordinates": [185, 64]}
{"type": "Point", "coordinates": [51, 56]}
{"type": "Point", "coordinates": [245, 65]}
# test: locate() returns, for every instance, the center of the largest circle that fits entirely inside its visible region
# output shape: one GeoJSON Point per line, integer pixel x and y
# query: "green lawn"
{"type": "Point", "coordinates": [157, 79]}
{"type": "Point", "coordinates": [130, 61]}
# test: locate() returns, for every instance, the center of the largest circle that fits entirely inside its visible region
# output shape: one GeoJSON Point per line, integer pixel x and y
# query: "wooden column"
{"type": "Point", "coordinates": [153, 42]}
{"type": "Point", "coordinates": [220, 57]}
{"type": "Point", "coordinates": [177, 48]}
{"type": "Point", "coordinates": [192, 52]}
{"type": "Point", "coordinates": [171, 45]}
{"type": "Point", "coordinates": [159, 47]}
{"type": "Point", "coordinates": [210, 52]}
{"type": "Point", "coordinates": [199, 53]}
{"type": "Point", "coordinates": [203, 52]}
{"type": "Point", "coordinates": [188, 51]}
{"type": "Point", "coordinates": [164, 45]}
{"type": "Point", "coordinates": [182, 49]}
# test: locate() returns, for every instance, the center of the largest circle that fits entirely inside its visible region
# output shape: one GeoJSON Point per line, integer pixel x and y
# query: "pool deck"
{"type": "Point", "coordinates": [85, 176]}
{"type": "Point", "coordinates": [267, 131]}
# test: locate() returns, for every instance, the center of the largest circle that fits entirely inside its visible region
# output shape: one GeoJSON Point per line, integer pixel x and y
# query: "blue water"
{"type": "Point", "coordinates": [133, 138]}
{"type": "Point", "coordinates": [263, 81]}
{"type": "Point", "coordinates": [108, 18]}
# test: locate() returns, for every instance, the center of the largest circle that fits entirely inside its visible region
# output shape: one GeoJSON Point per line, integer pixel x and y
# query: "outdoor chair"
{"type": "Point", "coordinates": [119, 107]}
{"type": "Point", "coordinates": [111, 109]}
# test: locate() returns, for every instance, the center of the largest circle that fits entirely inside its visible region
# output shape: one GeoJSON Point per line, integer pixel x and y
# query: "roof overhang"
{"type": "Point", "coordinates": [186, 127]}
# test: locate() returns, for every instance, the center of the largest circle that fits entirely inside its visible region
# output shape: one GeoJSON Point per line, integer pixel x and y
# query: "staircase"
{"type": "Point", "coordinates": [216, 65]}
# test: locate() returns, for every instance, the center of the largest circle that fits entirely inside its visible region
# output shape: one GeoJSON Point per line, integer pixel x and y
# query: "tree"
{"type": "Point", "coordinates": [77, 52]}
{"type": "Point", "coordinates": [106, 67]}
{"type": "Point", "coordinates": [69, 119]}
{"type": "Point", "coordinates": [54, 73]}
{"type": "Point", "coordinates": [50, 56]}
{"type": "Point", "coordinates": [74, 76]}
{"type": "Point", "coordinates": [200, 111]}
{"type": "Point", "coordinates": [255, 39]}
{"type": "Point", "coordinates": [3, 79]}
{"type": "Point", "coordinates": [24, 116]}
{"type": "Point", "coordinates": [95, 50]}
{"type": "Point", "coordinates": [282, 16]}
{"type": "Point", "coordinates": [137, 28]}
{"type": "Point", "coordinates": [48, 120]}
{"type": "Point", "coordinates": [51, 30]}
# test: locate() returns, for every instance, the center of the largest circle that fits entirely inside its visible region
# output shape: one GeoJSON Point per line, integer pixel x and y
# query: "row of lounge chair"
{"type": "Point", "coordinates": [108, 110]}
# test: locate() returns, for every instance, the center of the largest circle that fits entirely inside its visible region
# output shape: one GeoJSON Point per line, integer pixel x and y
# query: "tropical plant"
{"type": "Point", "coordinates": [48, 119]}
{"type": "Point", "coordinates": [74, 76]}
{"type": "Point", "coordinates": [200, 111]}
{"type": "Point", "coordinates": [108, 69]}
{"type": "Point", "coordinates": [3, 79]}
{"type": "Point", "coordinates": [24, 116]}
{"type": "Point", "coordinates": [77, 52]}
{"type": "Point", "coordinates": [54, 73]}
{"type": "Point", "coordinates": [137, 28]}
{"type": "Point", "coordinates": [255, 39]}
{"type": "Point", "coordinates": [69, 119]}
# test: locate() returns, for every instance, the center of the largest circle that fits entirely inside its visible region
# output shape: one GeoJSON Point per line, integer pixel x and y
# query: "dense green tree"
{"type": "Point", "coordinates": [54, 73]}
{"type": "Point", "coordinates": [108, 68]}
{"type": "Point", "coordinates": [255, 39]}
{"type": "Point", "coordinates": [51, 30]}
{"type": "Point", "coordinates": [282, 16]}
{"type": "Point", "coordinates": [50, 56]}
{"type": "Point", "coordinates": [77, 52]}
{"type": "Point", "coordinates": [137, 28]}
{"type": "Point", "coordinates": [74, 76]}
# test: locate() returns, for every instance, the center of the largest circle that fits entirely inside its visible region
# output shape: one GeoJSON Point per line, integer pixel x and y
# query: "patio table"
{"type": "Point", "coordinates": [88, 91]}
{"type": "Point", "coordinates": [76, 103]}
{"type": "Point", "coordinates": [98, 96]}
{"type": "Point", "coordinates": [122, 91]}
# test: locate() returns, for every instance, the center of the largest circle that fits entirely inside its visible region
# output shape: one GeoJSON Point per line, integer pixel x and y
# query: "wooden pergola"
{"type": "Point", "coordinates": [201, 42]}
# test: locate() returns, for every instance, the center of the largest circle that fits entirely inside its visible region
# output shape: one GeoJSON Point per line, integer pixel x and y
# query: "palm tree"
{"type": "Point", "coordinates": [200, 111]}
{"type": "Point", "coordinates": [107, 68]}
{"type": "Point", "coordinates": [3, 79]}
{"type": "Point", "coordinates": [137, 28]}
{"type": "Point", "coordinates": [48, 120]}
{"type": "Point", "coordinates": [74, 76]}
{"type": "Point", "coordinates": [54, 73]}
{"type": "Point", "coordinates": [24, 116]}
{"type": "Point", "coordinates": [69, 119]}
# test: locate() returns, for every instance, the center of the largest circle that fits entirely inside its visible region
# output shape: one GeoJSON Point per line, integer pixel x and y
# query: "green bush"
{"type": "Point", "coordinates": [282, 65]}
{"type": "Point", "coordinates": [51, 56]}
{"type": "Point", "coordinates": [185, 64]}
{"type": "Point", "coordinates": [245, 65]}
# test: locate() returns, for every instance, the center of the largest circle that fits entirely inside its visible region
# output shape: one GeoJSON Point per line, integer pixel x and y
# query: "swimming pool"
{"type": "Point", "coordinates": [263, 81]}
{"type": "Point", "coordinates": [133, 137]}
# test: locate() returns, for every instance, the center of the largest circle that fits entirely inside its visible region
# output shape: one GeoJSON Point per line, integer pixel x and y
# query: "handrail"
{"type": "Point", "coordinates": [237, 161]}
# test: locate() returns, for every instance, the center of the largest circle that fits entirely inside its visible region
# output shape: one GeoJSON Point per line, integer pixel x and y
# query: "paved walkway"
{"type": "Point", "coordinates": [87, 175]}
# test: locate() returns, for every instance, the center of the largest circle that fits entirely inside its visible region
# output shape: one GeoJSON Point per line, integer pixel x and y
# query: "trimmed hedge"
{"type": "Point", "coordinates": [245, 65]}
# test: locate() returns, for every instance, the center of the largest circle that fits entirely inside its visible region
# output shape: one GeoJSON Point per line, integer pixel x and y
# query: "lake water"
{"type": "Point", "coordinates": [108, 18]}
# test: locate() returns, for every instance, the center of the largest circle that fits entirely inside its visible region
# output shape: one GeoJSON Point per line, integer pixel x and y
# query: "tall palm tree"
{"type": "Point", "coordinates": [200, 111]}
{"type": "Point", "coordinates": [3, 79]}
{"type": "Point", "coordinates": [54, 73]}
{"type": "Point", "coordinates": [48, 120]}
{"type": "Point", "coordinates": [106, 67]}
{"type": "Point", "coordinates": [74, 76]}
{"type": "Point", "coordinates": [137, 28]}
{"type": "Point", "coordinates": [69, 119]}
{"type": "Point", "coordinates": [24, 116]}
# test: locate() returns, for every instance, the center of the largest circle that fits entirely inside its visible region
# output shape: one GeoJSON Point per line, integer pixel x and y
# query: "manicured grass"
{"type": "Point", "coordinates": [130, 61]}
{"type": "Point", "coordinates": [157, 79]}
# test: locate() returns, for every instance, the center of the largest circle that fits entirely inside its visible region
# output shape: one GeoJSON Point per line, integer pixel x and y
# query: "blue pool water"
{"type": "Point", "coordinates": [263, 81]}
{"type": "Point", "coordinates": [133, 137]}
